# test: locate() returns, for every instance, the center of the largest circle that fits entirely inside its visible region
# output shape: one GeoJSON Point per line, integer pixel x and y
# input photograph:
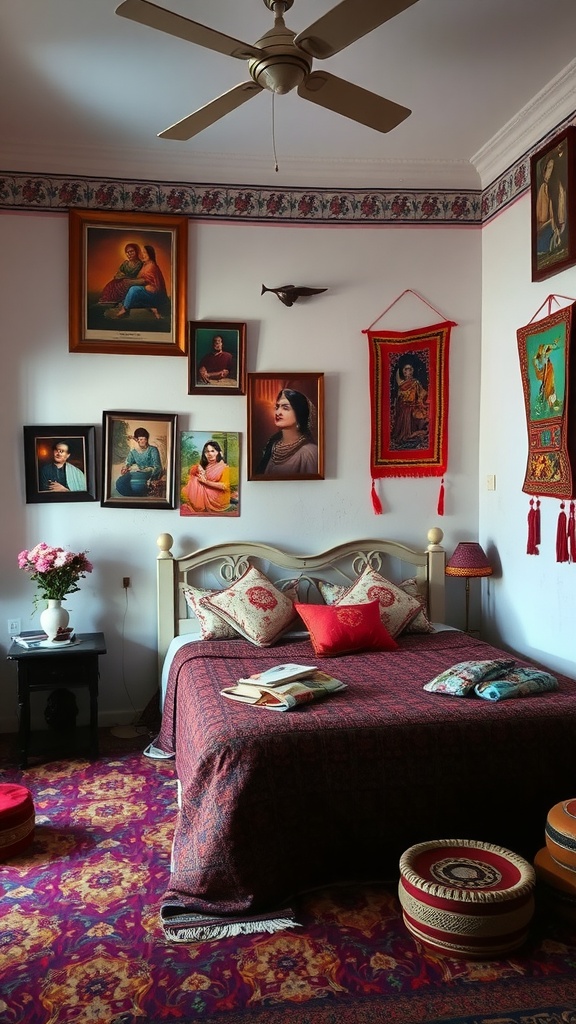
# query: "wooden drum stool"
{"type": "Point", "coordinates": [560, 833]}
{"type": "Point", "coordinates": [16, 819]}
{"type": "Point", "coordinates": [466, 899]}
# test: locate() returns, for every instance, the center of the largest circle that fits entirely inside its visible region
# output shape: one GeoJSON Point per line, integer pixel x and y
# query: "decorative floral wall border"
{"type": "Point", "coordinates": [26, 191]}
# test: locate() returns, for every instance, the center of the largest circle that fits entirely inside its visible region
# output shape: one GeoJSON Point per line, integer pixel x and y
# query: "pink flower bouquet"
{"type": "Point", "coordinates": [55, 570]}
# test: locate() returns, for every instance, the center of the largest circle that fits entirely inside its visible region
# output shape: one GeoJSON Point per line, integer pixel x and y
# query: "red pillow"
{"type": "Point", "coordinates": [342, 628]}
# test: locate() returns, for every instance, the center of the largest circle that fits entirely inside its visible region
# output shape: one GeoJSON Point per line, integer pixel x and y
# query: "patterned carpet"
{"type": "Point", "coordinates": [81, 941]}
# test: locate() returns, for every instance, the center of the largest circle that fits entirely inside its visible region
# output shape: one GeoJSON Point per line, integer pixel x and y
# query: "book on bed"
{"type": "Point", "coordinates": [279, 674]}
{"type": "Point", "coordinates": [314, 685]}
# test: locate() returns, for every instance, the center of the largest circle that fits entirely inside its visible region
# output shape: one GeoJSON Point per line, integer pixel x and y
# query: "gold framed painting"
{"type": "Point", "coordinates": [128, 277]}
{"type": "Point", "coordinates": [285, 426]}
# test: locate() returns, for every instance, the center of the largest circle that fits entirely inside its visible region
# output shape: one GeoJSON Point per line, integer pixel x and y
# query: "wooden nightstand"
{"type": "Point", "coordinates": [68, 668]}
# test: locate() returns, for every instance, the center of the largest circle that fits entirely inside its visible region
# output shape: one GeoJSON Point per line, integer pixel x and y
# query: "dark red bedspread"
{"type": "Point", "coordinates": [274, 803]}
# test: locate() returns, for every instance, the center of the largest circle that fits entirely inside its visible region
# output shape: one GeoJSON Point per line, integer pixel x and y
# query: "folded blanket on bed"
{"type": "Point", "coordinates": [498, 679]}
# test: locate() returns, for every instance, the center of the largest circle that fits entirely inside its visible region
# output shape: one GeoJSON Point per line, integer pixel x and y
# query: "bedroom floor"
{"type": "Point", "coordinates": [82, 938]}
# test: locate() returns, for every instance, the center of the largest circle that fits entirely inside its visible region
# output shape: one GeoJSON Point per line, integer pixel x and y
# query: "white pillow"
{"type": "Point", "coordinates": [254, 607]}
{"type": "Point", "coordinates": [397, 608]}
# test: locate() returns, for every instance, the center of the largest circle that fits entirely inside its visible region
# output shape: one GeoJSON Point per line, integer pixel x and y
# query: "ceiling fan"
{"type": "Point", "coordinates": [282, 60]}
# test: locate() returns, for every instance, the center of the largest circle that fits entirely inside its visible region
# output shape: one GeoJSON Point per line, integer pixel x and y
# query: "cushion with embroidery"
{"type": "Point", "coordinates": [460, 679]}
{"type": "Point", "coordinates": [212, 626]}
{"type": "Point", "coordinates": [420, 623]}
{"type": "Point", "coordinates": [344, 628]}
{"type": "Point", "coordinates": [397, 608]}
{"type": "Point", "coordinates": [254, 607]}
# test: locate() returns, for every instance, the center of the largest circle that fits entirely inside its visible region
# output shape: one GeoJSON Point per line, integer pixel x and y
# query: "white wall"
{"type": "Point", "coordinates": [364, 269]}
{"type": "Point", "coordinates": [530, 602]}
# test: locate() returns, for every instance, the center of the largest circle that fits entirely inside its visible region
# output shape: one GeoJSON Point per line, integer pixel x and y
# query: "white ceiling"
{"type": "Point", "coordinates": [86, 92]}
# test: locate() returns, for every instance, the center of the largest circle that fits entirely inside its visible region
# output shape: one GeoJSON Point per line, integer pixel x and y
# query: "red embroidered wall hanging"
{"type": "Point", "coordinates": [544, 351]}
{"type": "Point", "coordinates": [409, 402]}
{"type": "Point", "coordinates": [548, 381]}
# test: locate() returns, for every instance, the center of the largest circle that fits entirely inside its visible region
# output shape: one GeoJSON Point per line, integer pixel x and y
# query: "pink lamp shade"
{"type": "Point", "coordinates": [469, 559]}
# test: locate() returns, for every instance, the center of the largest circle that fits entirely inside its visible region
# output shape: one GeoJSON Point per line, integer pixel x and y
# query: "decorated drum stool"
{"type": "Point", "coordinates": [557, 885]}
{"type": "Point", "coordinates": [16, 819]}
{"type": "Point", "coordinates": [560, 833]}
{"type": "Point", "coordinates": [465, 898]}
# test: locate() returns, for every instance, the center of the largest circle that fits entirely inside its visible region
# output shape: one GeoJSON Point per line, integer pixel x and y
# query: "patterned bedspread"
{"type": "Point", "coordinates": [276, 803]}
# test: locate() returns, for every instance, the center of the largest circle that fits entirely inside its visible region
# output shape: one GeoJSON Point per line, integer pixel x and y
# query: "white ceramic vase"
{"type": "Point", "coordinates": [53, 618]}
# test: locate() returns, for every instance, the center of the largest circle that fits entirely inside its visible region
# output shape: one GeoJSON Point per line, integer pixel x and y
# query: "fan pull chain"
{"type": "Point", "coordinates": [274, 135]}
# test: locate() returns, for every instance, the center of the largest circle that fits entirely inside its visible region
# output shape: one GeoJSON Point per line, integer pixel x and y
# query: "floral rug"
{"type": "Point", "coordinates": [81, 940]}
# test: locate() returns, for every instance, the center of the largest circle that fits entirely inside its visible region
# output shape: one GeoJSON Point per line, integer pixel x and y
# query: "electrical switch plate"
{"type": "Point", "coordinates": [491, 482]}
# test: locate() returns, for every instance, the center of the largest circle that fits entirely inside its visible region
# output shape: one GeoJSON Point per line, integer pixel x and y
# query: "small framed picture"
{"type": "Point", "coordinates": [139, 458]}
{"type": "Point", "coordinates": [216, 358]}
{"type": "Point", "coordinates": [128, 280]}
{"type": "Point", "coordinates": [285, 426]}
{"type": "Point", "coordinates": [59, 463]}
{"type": "Point", "coordinates": [209, 473]}
{"type": "Point", "coordinates": [553, 205]}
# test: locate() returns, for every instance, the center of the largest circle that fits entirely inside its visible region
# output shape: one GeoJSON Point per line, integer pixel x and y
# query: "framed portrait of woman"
{"type": "Point", "coordinates": [209, 473]}
{"type": "Point", "coordinates": [139, 459]}
{"type": "Point", "coordinates": [128, 279]}
{"type": "Point", "coordinates": [59, 464]}
{"type": "Point", "coordinates": [285, 426]}
{"type": "Point", "coordinates": [553, 205]}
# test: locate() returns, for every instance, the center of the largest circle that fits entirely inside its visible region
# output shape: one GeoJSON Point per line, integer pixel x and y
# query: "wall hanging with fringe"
{"type": "Point", "coordinates": [548, 370]}
{"type": "Point", "coordinates": [409, 402]}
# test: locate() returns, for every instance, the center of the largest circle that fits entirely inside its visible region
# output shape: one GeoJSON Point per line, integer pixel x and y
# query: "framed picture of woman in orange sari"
{"type": "Point", "coordinates": [209, 473]}
{"type": "Point", "coordinates": [128, 281]}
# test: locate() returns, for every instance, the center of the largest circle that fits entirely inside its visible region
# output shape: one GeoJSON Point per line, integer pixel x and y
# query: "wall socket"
{"type": "Point", "coordinates": [125, 582]}
{"type": "Point", "coordinates": [13, 627]}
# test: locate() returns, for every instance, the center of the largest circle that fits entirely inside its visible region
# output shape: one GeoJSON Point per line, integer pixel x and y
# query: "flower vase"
{"type": "Point", "coordinates": [53, 618]}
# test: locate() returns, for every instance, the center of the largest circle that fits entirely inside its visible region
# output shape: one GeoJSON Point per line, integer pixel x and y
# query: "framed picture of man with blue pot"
{"type": "Point", "coordinates": [138, 460]}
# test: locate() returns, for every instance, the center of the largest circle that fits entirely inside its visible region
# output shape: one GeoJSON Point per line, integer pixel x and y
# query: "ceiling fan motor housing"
{"type": "Point", "coordinates": [283, 66]}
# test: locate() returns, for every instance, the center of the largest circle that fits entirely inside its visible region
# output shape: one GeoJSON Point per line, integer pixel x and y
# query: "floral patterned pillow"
{"type": "Point", "coordinates": [421, 623]}
{"type": "Point", "coordinates": [212, 626]}
{"type": "Point", "coordinates": [254, 607]}
{"type": "Point", "coordinates": [397, 608]}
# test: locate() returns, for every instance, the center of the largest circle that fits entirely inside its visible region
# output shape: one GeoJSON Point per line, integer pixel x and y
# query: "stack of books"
{"type": "Point", "coordinates": [284, 687]}
{"type": "Point", "coordinates": [31, 638]}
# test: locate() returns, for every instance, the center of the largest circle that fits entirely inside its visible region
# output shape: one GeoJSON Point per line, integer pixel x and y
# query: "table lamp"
{"type": "Point", "coordinates": [469, 559]}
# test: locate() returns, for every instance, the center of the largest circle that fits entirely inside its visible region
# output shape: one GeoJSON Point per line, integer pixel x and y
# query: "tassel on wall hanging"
{"type": "Point", "coordinates": [409, 401]}
{"type": "Point", "coordinates": [548, 370]}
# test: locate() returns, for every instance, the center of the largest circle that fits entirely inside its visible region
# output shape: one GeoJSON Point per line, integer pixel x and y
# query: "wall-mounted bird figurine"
{"type": "Point", "coordinates": [289, 294]}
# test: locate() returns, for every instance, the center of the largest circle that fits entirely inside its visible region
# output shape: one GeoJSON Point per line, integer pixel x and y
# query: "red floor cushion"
{"type": "Point", "coordinates": [16, 819]}
{"type": "Point", "coordinates": [466, 899]}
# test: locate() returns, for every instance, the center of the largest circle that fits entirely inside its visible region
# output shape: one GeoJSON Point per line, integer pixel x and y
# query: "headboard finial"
{"type": "Point", "coordinates": [435, 536]}
{"type": "Point", "coordinates": [165, 542]}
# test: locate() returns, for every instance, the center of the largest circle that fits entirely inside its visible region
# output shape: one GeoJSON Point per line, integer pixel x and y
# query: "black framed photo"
{"type": "Point", "coordinates": [59, 463]}
{"type": "Point", "coordinates": [285, 426]}
{"type": "Point", "coordinates": [139, 460]}
{"type": "Point", "coordinates": [553, 205]}
{"type": "Point", "coordinates": [216, 358]}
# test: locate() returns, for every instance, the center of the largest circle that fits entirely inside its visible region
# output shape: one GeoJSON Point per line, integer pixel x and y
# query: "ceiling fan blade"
{"type": "Point", "coordinates": [352, 101]}
{"type": "Point", "coordinates": [175, 25]}
{"type": "Point", "coordinates": [211, 112]}
{"type": "Point", "coordinates": [345, 23]}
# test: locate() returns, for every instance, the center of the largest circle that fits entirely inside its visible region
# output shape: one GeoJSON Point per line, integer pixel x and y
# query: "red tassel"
{"type": "Point", "coordinates": [561, 536]}
{"type": "Point", "coordinates": [572, 533]}
{"type": "Point", "coordinates": [531, 546]}
{"type": "Point", "coordinates": [440, 509]}
{"type": "Point", "coordinates": [537, 522]}
{"type": "Point", "coordinates": [376, 503]}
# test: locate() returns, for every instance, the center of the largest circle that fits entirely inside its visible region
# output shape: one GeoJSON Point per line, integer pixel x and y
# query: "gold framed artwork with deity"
{"type": "Point", "coordinates": [128, 275]}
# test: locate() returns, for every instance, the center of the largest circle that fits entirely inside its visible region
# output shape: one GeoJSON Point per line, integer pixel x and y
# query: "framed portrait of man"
{"type": "Point", "coordinates": [59, 463]}
{"type": "Point", "coordinates": [139, 460]}
{"type": "Point", "coordinates": [216, 358]}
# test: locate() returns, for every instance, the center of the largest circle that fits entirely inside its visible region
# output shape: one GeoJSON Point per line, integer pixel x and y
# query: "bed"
{"type": "Point", "coordinates": [272, 804]}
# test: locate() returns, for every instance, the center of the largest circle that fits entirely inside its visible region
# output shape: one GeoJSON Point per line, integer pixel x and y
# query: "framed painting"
{"type": "Point", "coordinates": [128, 279]}
{"type": "Point", "coordinates": [548, 371]}
{"type": "Point", "coordinates": [209, 473]}
{"type": "Point", "coordinates": [553, 205]}
{"type": "Point", "coordinates": [216, 358]}
{"type": "Point", "coordinates": [285, 426]}
{"type": "Point", "coordinates": [139, 459]}
{"type": "Point", "coordinates": [59, 463]}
